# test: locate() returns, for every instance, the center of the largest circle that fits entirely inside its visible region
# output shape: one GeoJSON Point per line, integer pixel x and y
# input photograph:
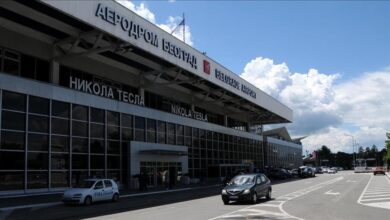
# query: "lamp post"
{"type": "Point", "coordinates": [353, 150]}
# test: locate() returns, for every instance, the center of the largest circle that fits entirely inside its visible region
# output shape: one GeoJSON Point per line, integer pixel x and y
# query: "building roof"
{"type": "Point", "coordinates": [110, 33]}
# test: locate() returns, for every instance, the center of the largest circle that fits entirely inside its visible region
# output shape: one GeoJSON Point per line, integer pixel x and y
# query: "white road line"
{"type": "Point", "coordinates": [375, 199]}
{"type": "Point", "coordinates": [372, 196]}
{"type": "Point", "coordinates": [364, 190]}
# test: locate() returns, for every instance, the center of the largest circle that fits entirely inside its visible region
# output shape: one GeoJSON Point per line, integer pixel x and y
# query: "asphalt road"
{"type": "Point", "coordinates": [328, 196]}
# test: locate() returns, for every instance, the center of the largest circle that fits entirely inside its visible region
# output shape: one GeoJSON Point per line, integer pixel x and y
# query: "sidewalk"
{"type": "Point", "coordinates": [30, 201]}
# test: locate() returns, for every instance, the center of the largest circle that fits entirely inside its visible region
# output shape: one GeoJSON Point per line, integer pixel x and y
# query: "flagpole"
{"type": "Point", "coordinates": [184, 29]}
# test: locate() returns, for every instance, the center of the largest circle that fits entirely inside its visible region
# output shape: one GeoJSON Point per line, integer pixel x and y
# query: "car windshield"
{"type": "Point", "coordinates": [242, 180]}
{"type": "Point", "coordinates": [85, 184]}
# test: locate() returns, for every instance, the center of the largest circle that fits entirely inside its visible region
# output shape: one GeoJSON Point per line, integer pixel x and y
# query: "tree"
{"type": "Point", "coordinates": [324, 154]}
{"type": "Point", "coordinates": [387, 146]}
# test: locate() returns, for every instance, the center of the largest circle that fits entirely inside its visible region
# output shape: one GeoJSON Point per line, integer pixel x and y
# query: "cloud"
{"type": "Point", "coordinates": [325, 107]}
{"type": "Point", "coordinates": [170, 24]}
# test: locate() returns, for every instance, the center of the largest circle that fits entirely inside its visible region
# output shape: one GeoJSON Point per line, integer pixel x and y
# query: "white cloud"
{"type": "Point", "coordinates": [168, 26]}
{"type": "Point", "coordinates": [326, 109]}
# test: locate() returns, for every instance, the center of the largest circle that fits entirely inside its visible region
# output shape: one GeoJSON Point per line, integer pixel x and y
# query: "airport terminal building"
{"type": "Point", "coordinates": [89, 88]}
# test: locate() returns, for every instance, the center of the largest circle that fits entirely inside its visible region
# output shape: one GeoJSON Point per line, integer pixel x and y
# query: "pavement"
{"type": "Point", "coordinates": [344, 195]}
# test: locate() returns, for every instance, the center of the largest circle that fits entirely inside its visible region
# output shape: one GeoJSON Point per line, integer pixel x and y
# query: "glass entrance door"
{"type": "Point", "coordinates": [158, 173]}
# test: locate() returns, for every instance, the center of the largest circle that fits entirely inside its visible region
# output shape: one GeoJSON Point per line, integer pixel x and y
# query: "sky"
{"type": "Point", "coordinates": [329, 61]}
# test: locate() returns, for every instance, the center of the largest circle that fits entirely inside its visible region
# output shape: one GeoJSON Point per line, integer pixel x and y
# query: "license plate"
{"type": "Point", "coordinates": [233, 197]}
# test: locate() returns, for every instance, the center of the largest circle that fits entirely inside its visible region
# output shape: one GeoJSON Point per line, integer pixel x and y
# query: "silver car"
{"type": "Point", "coordinates": [92, 190]}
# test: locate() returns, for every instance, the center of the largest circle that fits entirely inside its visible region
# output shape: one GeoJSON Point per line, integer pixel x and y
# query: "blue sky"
{"type": "Point", "coordinates": [329, 61]}
{"type": "Point", "coordinates": [334, 37]}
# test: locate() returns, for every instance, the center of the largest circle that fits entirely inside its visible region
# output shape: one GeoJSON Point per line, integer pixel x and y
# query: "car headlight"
{"type": "Point", "coordinates": [247, 191]}
{"type": "Point", "coordinates": [224, 192]}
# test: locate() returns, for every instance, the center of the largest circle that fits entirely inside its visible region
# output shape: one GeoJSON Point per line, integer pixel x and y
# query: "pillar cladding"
{"type": "Point", "coordinates": [55, 72]}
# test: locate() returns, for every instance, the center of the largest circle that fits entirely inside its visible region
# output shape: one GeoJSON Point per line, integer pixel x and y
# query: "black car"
{"type": "Point", "coordinates": [279, 174]}
{"type": "Point", "coordinates": [247, 187]}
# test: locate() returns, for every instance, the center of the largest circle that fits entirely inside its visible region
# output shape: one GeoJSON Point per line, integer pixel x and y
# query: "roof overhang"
{"type": "Point", "coordinates": [109, 32]}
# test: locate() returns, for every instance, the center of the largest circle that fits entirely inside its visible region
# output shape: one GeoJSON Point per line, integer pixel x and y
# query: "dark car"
{"type": "Point", "coordinates": [379, 170]}
{"type": "Point", "coordinates": [279, 174]}
{"type": "Point", "coordinates": [247, 187]}
{"type": "Point", "coordinates": [305, 171]}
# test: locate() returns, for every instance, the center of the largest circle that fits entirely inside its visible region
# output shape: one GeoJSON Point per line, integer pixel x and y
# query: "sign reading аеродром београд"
{"type": "Point", "coordinates": [137, 32]}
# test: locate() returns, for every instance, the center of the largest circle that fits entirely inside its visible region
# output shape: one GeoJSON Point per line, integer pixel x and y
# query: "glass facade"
{"type": "Point", "coordinates": [49, 144]}
{"type": "Point", "coordinates": [282, 156]}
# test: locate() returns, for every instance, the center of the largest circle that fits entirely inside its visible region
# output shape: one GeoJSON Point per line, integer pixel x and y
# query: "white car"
{"type": "Point", "coordinates": [332, 170]}
{"type": "Point", "coordinates": [92, 190]}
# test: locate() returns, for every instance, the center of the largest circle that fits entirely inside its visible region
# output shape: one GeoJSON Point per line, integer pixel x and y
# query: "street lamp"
{"type": "Point", "coordinates": [353, 149]}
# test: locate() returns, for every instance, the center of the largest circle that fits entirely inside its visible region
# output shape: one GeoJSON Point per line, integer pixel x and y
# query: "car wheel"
{"type": "Point", "coordinates": [115, 197]}
{"type": "Point", "coordinates": [269, 194]}
{"type": "Point", "coordinates": [88, 200]}
{"type": "Point", "coordinates": [254, 198]}
{"type": "Point", "coordinates": [226, 202]}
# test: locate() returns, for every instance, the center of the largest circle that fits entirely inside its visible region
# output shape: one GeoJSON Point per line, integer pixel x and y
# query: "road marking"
{"type": "Point", "coordinates": [376, 193]}
{"type": "Point", "coordinates": [30, 206]}
{"type": "Point", "coordinates": [351, 181]}
{"type": "Point", "coordinates": [280, 213]}
{"type": "Point", "coordinates": [332, 193]}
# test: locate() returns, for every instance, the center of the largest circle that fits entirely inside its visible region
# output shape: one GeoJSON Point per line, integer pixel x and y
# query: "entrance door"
{"type": "Point", "coordinates": [160, 173]}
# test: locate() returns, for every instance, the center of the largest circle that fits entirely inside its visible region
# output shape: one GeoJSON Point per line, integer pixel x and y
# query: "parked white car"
{"type": "Point", "coordinates": [92, 190]}
{"type": "Point", "coordinates": [332, 170]}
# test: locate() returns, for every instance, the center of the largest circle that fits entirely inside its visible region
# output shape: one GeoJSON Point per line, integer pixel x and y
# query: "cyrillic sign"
{"type": "Point", "coordinates": [105, 91]}
{"type": "Point", "coordinates": [137, 32]}
{"type": "Point", "coordinates": [178, 110]}
{"type": "Point", "coordinates": [234, 83]}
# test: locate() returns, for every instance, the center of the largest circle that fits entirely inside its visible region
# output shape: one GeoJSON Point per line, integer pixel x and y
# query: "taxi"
{"type": "Point", "coordinates": [92, 190]}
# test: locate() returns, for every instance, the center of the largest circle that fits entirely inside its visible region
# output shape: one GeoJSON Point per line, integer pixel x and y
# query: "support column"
{"type": "Point", "coordinates": [54, 72]}
{"type": "Point", "coordinates": [225, 120]}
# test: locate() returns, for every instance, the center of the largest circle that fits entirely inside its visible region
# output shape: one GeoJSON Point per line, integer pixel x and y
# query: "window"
{"type": "Point", "coordinates": [11, 180]}
{"type": "Point", "coordinates": [263, 179]}
{"type": "Point", "coordinates": [12, 140]}
{"type": "Point", "coordinates": [37, 142]}
{"type": "Point", "coordinates": [60, 109]}
{"type": "Point", "coordinates": [37, 161]}
{"type": "Point", "coordinates": [80, 112]}
{"type": "Point", "coordinates": [112, 118]}
{"type": "Point", "coordinates": [99, 185]}
{"type": "Point", "coordinates": [113, 147]}
{"type": "Point", "coordinates": [60, 126]}
{"type": "Point", "coordinates": [258, 180]}
{"type": "Point", "coordinates": [97, 115]}
{"type": "Point", "coordinates": [11, 62]}
{"type": "Point", "coordinates": [151, 130]}
{"type": "Point", "coordinates": [79, 161]}
{"type": "Point", "coordinates": [97, 161]}
{"type": "Point", "coordinates": [38, 105]}
{"type": "Point", "coordinates": [59, 143]}
{"type": "Point", "coordinates": [38, 123]}
{"type": "Point", "coordinates": [59, 179]}
{"type": "Point", "coordinates": [79, 145]}
{"type": "Point", "coordinates": [107, 183]}
{"type": "Point", "coordinates": [11, 160]}
{"type": "Point", "coordinates": [127, 120]}
{"type": "Point", "coordinates": [139, 123]}
{"type": "Point", "coordinates": [80, 128]}
{"type": "Point", "coordinates": [112, 132]}
{"type": "Point", "coordinates": [97, 131]}
{"type": "Point", "coordinates": [14, 101]}
{"type": "Point", "coordinates": [59, 161]}
{"type": "Point", "coordinates": [97, 146]}
{"type": "Point", "coordinates": [37, 180]}
{"type": "Point", "coordinates": [13, 120]}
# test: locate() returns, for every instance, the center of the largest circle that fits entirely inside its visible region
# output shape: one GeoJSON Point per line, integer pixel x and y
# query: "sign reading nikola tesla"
{"type": "Point", "coordinates": [178, 110]}
{"type": "Point", "coordinates": [105, 91]}
{"type": "Point", "coordinates": [139, 32]}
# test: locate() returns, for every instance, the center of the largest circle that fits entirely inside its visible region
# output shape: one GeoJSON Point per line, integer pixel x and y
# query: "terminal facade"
{"type": "Point", "coordinates": [89, 88]}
